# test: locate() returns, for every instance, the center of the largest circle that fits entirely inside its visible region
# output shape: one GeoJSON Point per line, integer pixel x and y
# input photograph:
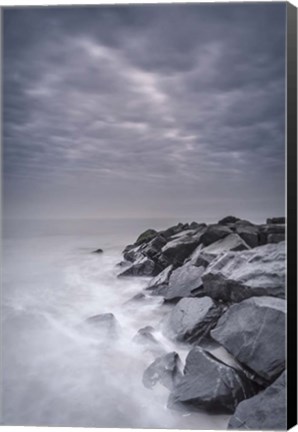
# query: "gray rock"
{"type": "Point", "coordinates": [232, 242]}
{"type": "Point", "coordinates": [177, 250]}
{"type": "Point", "coordinates": [228, 220]}
{"type": "Point", "coordinates": [253, 331]}
{"type": "Point", "coordinates": [185, 281]}
{"type": "Point", "coordinates": [165, 370]}
{"type": "Point", "coordinates": [199, 258]}
{"type": "Point", "coordinates": [98, 251]}
{"type": "Point", "coordinates": [276, 220]}
{"type": "Point", "coordinates": [104, 324]}
{"type": "Point", "coordinates": [191, 319]}
{"type": "Point", "coordinates": [249, 233]}
{"type": "Point", "coordinates": [142, 267]}
{"type": "Point", "coordinates": [235, 276]}
{"type": "Point", "coordinates": [132, 253]}
{"type": "Point", "coordinates": [265, 411]}
{"type": "Point", "coordinates": [275, 238]}
{"type": "Point", "coordinates": [145, 336]}
{"type": "Point", "coordinates": [161, 279]}
{"type": "Point", "coordinates": [214, 233]}
{"type": "Point", "coordinates": [211, 384]}
{"type": "Point", "coordinates": [153, 247]}
{"type": "Point", "coordinates": [169, 232]}
{"type": "Point", "coordinates": [146, 236]}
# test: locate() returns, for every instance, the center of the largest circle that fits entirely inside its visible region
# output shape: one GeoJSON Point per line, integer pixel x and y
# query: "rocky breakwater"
{"type": "Point", "coordinates": [226, 285]}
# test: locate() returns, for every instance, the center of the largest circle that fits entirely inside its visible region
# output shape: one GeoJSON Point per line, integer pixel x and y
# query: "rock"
{"type": "Point", "coordinates": [243, 222]}
{"type": "Point", "coordinates": [132, 253]}
{"type": "Point", "coordinates": [232, 242]}
{"type": "Point", "coordinates": [253, 331]}
{"type": "Point", "coordinates": [214, 233]}
{"type": "Point", "coordinates": [185, 281]}
{"type": "Point", "coordinates": [98, 251]}
{"type": "Point", "coordinates": [191, 319]}
{"type": "Point", "coordinates": [161, 279]}
{"type": "Point", "coordinates": [275, 238]}
{"type": "Point", "coordinates": [199, 258]}
{"type": "Point", "coordinates": [104, 324]}
{"type": "Point", "coordinates": [276, 220]}
{"type": "Point", "coordinates": [235, 276]}
{"type": "Point", "coordinates": [194, 225]}
{"type": "Point", "coordinates": [174, 230]}
{"type": "Point", "coordinates": [249, 233]}
{"type": "Point", "coordinates": [176, 251]}
{"type": "Point", "coordinates": [144, 336]}
{"type": "Point", "coordinates": [265, 411]}
{"type": "Point", "coordinates": [146, 236]}
{"type": "Point", "coordinates": [165, 369]}
{"type": "Point", "coordinates": [142, 267]}
{"type": "Point", "coordinates": [228, 220]}
{"type": "Point", "coordinates": [211, 384]}
{"type": "Point", "coordinates": [153, 247]}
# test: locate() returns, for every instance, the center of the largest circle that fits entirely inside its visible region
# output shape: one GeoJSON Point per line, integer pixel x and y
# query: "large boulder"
{"type": "Point", "coordinates": [142, 267]}
{"type": "Point", "coordinates": [249, 233]}
{"type": "Point", "coordinates": [184, 281]}
{"type": "Point", "coordinates": [161, 279]}
{"type": "Point", "coordinates": [271, 233]}
{"type": "Point", "coordinates": [211, 384]}
{"type": "Point", "coordinates": [253, 331]}
{"type": "Point", "coordinates": [232, 242]}
{"type": "Point", "coordinates": [214, 233]}
{"type": "Point", "coordinates": [164, 370]}
{"type": "Point", "coordinates": [146, 236]}
{"type": "Point", "coordinates": [228, 220]}
{"type": "Point", "coordinates": [169, 232]}
{"type": "Point", "coordinates": [235, 276]}
{"type": "Point", "coordinates": [265, 411]}
{"type": "Point", "coordinates": [177, 250]}
{"type": "Point", "coordinates": [191, 319]}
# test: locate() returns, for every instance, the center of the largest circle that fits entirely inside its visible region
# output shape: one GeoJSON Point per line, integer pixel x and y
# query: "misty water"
{"type": "Point", "coordinates": [56, 372]}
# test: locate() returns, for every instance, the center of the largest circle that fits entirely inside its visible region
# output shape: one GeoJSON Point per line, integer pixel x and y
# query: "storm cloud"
{"type": "Point", "coordinates": [144, 111]}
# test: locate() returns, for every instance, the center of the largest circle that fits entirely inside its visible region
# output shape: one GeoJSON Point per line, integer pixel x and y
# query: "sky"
{"type": "Point", "coordinates": [144, 111]}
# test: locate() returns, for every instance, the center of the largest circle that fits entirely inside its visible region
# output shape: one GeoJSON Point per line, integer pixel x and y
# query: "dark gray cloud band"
{"type": "Point", "coordinates": [144, 110]}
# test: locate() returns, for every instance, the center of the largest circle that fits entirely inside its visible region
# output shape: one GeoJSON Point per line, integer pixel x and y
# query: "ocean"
{"type": "Point", "coordinates": [55, 374]}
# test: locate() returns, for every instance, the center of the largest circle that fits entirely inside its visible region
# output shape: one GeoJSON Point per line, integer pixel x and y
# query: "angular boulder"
{"type": "Point", "coordinates": [177, 250]}
{"type": "Point", "coordinates": [161, 279]}
{"type": "Point", "coordinates": [265, 411]}
{"type": "Point", "coordinates": [235, 276]}
{"type": "Point", "coordinates": [228, 220]}
{"type": "Point", "coordinates": [142, 267]}
{"type": "Point", "coordinates": [146, 236]}
{"type": "Point", "coordinates": [214, 233]}
{"type": "Point", "coordinates": [165, 370]}
{"type": "Point", "coordinates": [249, 233]}
{"type": "Point", "coordinates": [253, 331]}
{"type": "Point", "coordinates": [211, 384]}
{"type": "Point", "coordinates": [184, 281]}
{"type": "Point", "coordinates": [232, 242]}
{"type": "Point", "coordinates": [191, 319]}
{"type": "Point", "coordinates": [169, 232]}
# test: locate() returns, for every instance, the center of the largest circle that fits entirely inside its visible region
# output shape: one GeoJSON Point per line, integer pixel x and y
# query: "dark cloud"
{"type": "Point", "coordinates": [146, 110]}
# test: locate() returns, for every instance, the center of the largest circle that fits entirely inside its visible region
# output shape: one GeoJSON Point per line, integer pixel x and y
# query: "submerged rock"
{"type": "Point", "coordinates": [164, 370]}
{"type": "Point", "coordinates": [191, 319]}
{"type": "Point", "coordinates": [211, 384]}
{"type": "Point", "coordinates": [104, 324]}
{"type": "Point", "coordinates": [235, 276]}
{"type": "Point", "coordinates": [265, 411]}
{"type": "Point", "coordinates": [98, 251]}
{"type": "Point", "coordinates": [185, 281]}
{"type": "Point", "coordinates": [253, 331]}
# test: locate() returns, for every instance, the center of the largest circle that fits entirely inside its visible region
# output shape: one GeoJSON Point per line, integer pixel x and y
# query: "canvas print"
{"type": "Point", "coordinates": [144, 246]}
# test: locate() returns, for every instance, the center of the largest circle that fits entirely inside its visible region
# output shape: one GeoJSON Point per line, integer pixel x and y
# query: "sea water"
{"type": "Point", "coordinates": [53, 374]}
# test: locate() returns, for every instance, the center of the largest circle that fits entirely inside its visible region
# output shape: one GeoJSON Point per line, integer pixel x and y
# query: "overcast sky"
{"type": "Point", "coordinates": [144, 111]}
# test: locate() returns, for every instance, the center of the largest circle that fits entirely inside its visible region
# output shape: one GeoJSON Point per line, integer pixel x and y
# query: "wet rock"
{"type": "Point", "coordinates": [249, 233]}
{"type": "Point", "coordinates": [176, 251]}
{"type": "Point", "coordinates": [253, 331]}
{"type": "Point", "coordinates": [161, 279]}
{"type": "Point", "coordinates": [275, 238]}
{"type": "Point", "coordinates": [153, 247]}
{"type": "Point", "coordinates": [200, 258]}
{"type": "Point", "coordinates": [184, 281]}
{"type": "Point", "coordinates": [146, 236]}
{"type": "Point", "coordinates": [192, 319]}
{"type": "Point", "coordinates": [145, 336]}
{"type": "Point", "coordinates": [235, 276]}
{"type": "Point", "coordinates": [164, 370]}
{"type": "Point", "coordinates": [174, 230]}
{"type": "Point", "coordinates": [104, 324]}
{"type": "Point", "coordinates": [232, 242]}
{"type": "Point", "coordinates": [228, 220]}
{"type": "Point", "coordinates": [142, 267]}
{"type": "Point", "coordinates": [132, 253]}
{"type": "Point", "coordinates": [98, 251]}
{"type": "Point", "coordinates": [211, 384]}
{"type": "Point", "coordinates": [214, 233]}
{"type": "Point", "coordinates": [273, 233]}
{"type": "Point", "coordinates": [265, 411]}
